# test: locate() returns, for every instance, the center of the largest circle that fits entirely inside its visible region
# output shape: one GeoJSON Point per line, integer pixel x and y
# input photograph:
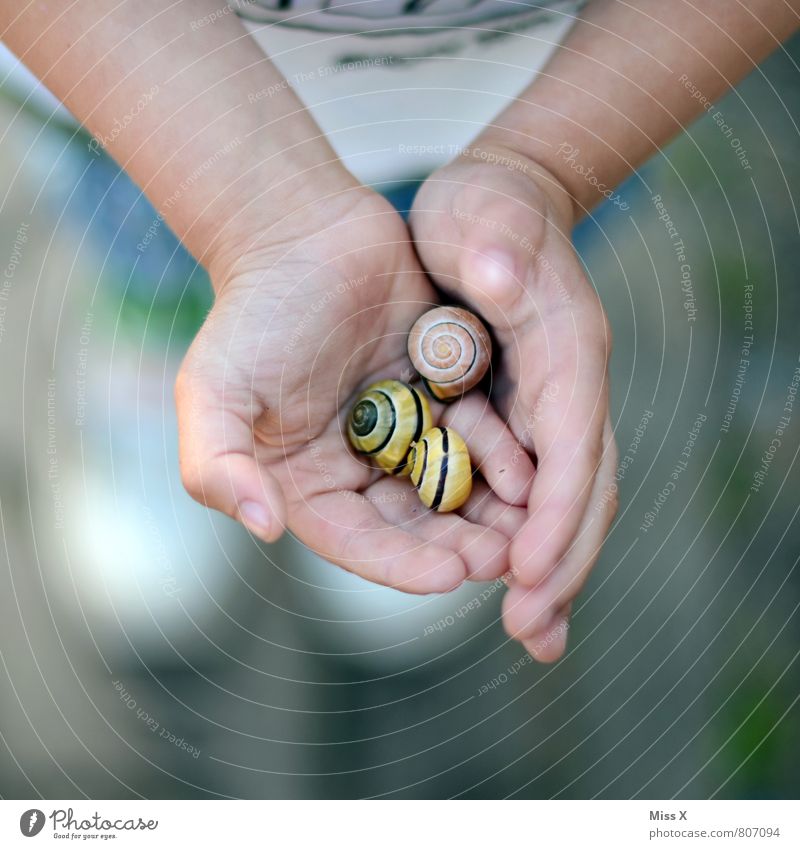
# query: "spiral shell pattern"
{"type": "Point", "coordinates": [451, 349]}
{"type": "Point", "coordinates": [441, 469]}
{"type": "Point", "coordinates": [385, 420]}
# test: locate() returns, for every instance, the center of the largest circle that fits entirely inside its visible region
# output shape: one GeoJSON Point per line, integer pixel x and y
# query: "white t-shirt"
{"type": "Point", "coordinates": [400, 86]}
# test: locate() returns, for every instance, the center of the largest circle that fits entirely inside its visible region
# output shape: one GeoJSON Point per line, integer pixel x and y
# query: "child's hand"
{"type": "Point", "coordinates": [309, 311]}
{"type": "Point", "coordinates": [494, 229]}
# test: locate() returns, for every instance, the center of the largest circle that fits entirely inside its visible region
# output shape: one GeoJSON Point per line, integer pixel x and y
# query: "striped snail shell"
{"type": "Point", "coordinates": [441, 470]}
{"type": "Point", "coordinates": [451, 349]}
{"type": "Point", "coordinates": [385, 419]}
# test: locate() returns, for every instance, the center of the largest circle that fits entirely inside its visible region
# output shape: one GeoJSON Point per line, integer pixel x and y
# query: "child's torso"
{"type": "Point", "coordinates": [399, 86]}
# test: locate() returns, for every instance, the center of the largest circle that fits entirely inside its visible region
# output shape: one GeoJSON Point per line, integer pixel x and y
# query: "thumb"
{"type": "Point", "coordinates": [486, 244]}
{"type": "Point", "coordinates": [218, 456]}
{"type": "Point", "coordinates": [497, 248]}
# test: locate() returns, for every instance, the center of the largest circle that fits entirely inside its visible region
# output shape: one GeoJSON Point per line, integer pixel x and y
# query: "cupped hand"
{"type": "Point", "coordinates": [494, 229]}
{"type": "Point", "coordinates": [308, 311]}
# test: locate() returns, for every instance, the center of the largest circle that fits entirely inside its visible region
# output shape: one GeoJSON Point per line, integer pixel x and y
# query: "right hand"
{"type": "Point", "coordinates": [308, 311]}
{"type": "Point", "coordinates": [497, 232]}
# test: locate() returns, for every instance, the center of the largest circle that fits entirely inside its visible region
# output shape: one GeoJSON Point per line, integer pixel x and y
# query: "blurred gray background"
{"type": "Point", "coordinates": [151, 648]}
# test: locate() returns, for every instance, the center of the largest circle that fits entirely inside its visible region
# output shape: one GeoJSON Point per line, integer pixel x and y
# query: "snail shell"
{"type": "Point", "coordinates": [441, 469]}
{"type": "Point", "coordinates": [451, 349]}
{"type": "Point", "coordinates": [385, 419]}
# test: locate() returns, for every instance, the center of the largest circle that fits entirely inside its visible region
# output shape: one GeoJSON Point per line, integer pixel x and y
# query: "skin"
{"type": "Point", "coordinates": [613, 92]}
{"type": "Point", "coordinates": [282, 226]}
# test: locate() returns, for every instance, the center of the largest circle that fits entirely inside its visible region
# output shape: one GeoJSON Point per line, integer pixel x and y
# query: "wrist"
{"type": "Point", "coordinates": [494, 150]}
{"type": "Point", "coordinates": [588, 170]}
{"type": "Point", "coordinates": [259, 234]}
{"type": "Point", "coordinates": [279, 202]}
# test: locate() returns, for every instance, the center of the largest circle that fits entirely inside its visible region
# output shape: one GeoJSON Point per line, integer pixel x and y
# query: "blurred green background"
{"type": "Point", "coordinates": [151, 648]}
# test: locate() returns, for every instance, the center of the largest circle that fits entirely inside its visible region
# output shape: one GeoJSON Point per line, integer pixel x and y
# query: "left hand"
{"type": "Point", "coordinates": [493, 229]}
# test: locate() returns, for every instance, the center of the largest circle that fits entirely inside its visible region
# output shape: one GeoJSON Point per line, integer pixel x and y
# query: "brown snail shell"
{"type": "Point", "coordinates": [451, 349]}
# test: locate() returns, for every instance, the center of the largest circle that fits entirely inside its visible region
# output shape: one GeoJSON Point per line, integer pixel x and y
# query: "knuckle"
{"type": "Point", "coordinates": [192, 480]}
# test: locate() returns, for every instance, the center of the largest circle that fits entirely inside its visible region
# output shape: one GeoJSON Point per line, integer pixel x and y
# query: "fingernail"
{"type": "Point", "coordinates": [255, 517]}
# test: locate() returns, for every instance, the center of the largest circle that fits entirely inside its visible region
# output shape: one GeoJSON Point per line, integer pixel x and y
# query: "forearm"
{"type": "Point", "coordinates": [628, 78]}
{"type": "Point", "coordinates": [184, 99]}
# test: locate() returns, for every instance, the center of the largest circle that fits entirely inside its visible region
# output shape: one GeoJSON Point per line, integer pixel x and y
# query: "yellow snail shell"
{"type": "Point", "coordinates": [385, 419]}
{"type": "Point", "coordinates": [451, 349]}
{"type": "Point", "coordinates": [441, 470]}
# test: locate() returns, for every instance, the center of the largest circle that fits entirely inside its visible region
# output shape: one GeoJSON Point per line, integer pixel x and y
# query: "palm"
{"type": "Point", "coordinates": [293, 335]}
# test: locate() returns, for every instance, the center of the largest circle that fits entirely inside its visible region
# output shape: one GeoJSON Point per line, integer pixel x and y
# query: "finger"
{"type": "Point", "coordinates": [348, 529]}
{"type": "Point", "coordinates": [529, 610]}
{"type": "Point", "coordinates": [494, 451]}
{"type": "Point", "coordinates": [493, 265]}
{"type": "Point", "coordinates": [482, 245]}
{"type": "Point", "coordinates": [217, 459]}
{"type": "Point", "coordinates": [549, 645]}
{"type": "Point", "coordinates": [567, 438]}
{"type": "Point", "coordinates": [483, 507]}
{"type": "Point", "coordinates": [484, 550]}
